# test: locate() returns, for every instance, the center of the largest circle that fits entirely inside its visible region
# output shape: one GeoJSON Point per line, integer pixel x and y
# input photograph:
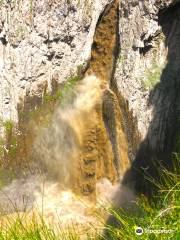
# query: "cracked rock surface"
{"type": "Point", "coordinates": [39, 41]}
{"type": "Point", "coordinates": [141, 74]}
{"type": "Point", "coordinates": [45, 40]}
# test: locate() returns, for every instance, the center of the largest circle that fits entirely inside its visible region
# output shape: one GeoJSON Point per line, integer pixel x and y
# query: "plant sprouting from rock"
{"type": "Point", "coordinates": [152, 76]}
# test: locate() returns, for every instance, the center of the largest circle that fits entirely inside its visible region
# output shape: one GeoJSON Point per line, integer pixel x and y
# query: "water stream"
{"type": "Point", "coordinates": [84, 150]}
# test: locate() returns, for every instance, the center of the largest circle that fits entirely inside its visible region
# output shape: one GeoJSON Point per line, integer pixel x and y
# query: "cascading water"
{"type": "Point", "coordinates": [84, 148]}
{"type": "Point", "coordinates": [59, 147]}
{"type": "Point", "coordinates": [86, 140]}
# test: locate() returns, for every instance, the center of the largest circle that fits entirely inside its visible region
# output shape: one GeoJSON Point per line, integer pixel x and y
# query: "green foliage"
{"type": "Point", "coordinates": [11, 141]}
{"type": "Point", "coordinates": [152, 77]}
{"type": "Point", "coordinates": [8, 125]}
{"type": "Point", "coordinates": [13, 147]}
{"type": "Point", "coordinates": [161, 212]}
{"type": "Point", "coordinates": [22, 228]}
{"type": "Point", "coordinates": [69, 86]}
{"type": "Point", "coordinates": [49, 98]}
{"type": "Point", "coordinates": [63, 93]}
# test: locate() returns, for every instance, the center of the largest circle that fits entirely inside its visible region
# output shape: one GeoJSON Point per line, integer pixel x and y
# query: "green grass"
{"type": "Point", "coordinates": [21, 229]}
{"type": "Point", "coordinates": [160, 212]}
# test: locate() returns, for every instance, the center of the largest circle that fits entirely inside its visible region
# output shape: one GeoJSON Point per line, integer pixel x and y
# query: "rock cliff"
{"type": "Point", "coordinates": [42, 43]}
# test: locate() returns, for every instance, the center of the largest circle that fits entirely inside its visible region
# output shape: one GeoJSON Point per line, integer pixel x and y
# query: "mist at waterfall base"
{"type": "Point", "coordinates": [57, 148]}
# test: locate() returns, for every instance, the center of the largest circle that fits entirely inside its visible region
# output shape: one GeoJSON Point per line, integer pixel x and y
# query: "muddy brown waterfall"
{"type": "Point", "coordinates": [107, 156]}
{"type": "Point", "coordinates": [82, 140]}
{"type": "Point", "coordinates": [89, 101]}
{"type": "Point", "coordinates": [105, 148]}
{"type": "Point", "coordinates": [86, 141]}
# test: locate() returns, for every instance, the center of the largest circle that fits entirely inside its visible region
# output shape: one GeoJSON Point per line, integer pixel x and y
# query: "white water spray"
{"type": "Point", "coordinates": [58, 146]}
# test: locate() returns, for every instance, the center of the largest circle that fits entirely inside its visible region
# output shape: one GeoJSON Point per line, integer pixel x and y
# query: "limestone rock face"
{"type": "Point", "coordinates": [41, 41]}
{"type": "Point", "coordinates": [146, 68]}
{"type": "Point", "coordinates": [45, 41]}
